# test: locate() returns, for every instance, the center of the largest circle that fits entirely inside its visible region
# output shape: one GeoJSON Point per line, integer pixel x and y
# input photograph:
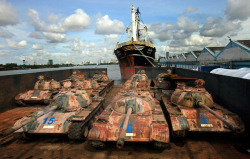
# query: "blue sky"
{"type": "Point", "coordinates": [83, 30]}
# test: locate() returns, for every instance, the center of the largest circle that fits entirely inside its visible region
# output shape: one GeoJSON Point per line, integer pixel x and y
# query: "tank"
{"type": "Point", "coordinates": [74, 82]}
{"type": "Point", "coordinates": [43, 92]}
{"type": "Point", "coordinates": [193, 109]}
{"type": "Point", "coordinates": [165, 83]}
{"type": "Point", "coordinates": [77, 75]}
{"type": "Point", "coordinates": [134, 116]}
{"type": "Point", "coordinates": [104, 81]}
{"type": "Point", "coordinates": [71, 113]}
{"type": "Point", "coordinates": [139, 81]}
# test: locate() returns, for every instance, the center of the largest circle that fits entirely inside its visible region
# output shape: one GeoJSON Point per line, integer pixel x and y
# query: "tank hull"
{"type": "Point", "coordinates": [146, 126]}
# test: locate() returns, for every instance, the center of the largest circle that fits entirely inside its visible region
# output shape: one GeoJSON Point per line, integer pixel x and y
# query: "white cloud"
{"type": "Point", "coordinates": [105, 26]}
{"type": "Point", "coordinates": [218, 27]}
{"type": "Point", "coordinates": [2, 46]}
{"type": "Point", "coordinates": [41, 25]}
{"type": "Point", "coordinates": [165, 36]}
{"type": "Point", "coordinates": [52, 18]}
{"type": "Point", "coordinates": [90, 45]}
{"type": "Point", "coordinates": [34, 16]}
{"type": "Point", "coordinates": [78, 21]}
{"type": "Point", "coordinates": [180, 35]}
{"type": "Point", "coordinates": [8, 15]}
{"type": "Point", "coordinates": [54, 37]}
{"type": "Point", "coordinates": [4, 52]}
{"type": "Point", "coordinates": [244, 33]}
{"type": "Point", "coordinates": [16, 45]}
{"type": "Point", "coordinates": [77, 45]}
{"type": "Point", "coordinates": [161, 31]}
{"type": "Point", "coordinates": [190, 9]}
{"type": "Point", "coordinates": [36, 35]}
{"type": "Point", "coordinates": [187, 24]}
{"type": "Point", "coordinates": [5, 33]}
{"type": "Point", "coordinates": [111, 36]}
{"type": "Point", "coordinates": [37, 47]}
{"type": "Point", "coordinates": [238, 9]}
{"type": "Point", "coordinates": [194, 42]}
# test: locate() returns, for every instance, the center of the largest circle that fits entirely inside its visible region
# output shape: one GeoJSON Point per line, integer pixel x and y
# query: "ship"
{"type": "Point", "coordinates": [136, 52]}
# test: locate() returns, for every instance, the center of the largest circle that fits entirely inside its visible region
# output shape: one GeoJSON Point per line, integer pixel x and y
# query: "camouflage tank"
{"type": "Point", "coordinates": [193, 109]}
{"type": "Point", "coordinates": [139, 81]}
{"type": "Point", "coordinates": [43, 92]}
{"type": "Point", "coordinates": [77, 75]}
{"type": "Point", "coordinates": [134, 116]}
{"type": "Point", "coordinates": [71, 113]}
{"type": "Point", "coordinates": [165, 83]}
{"type": "Point", "coordinates": [75, 82]}
{"type": "Point", "coordinates": [104, 81]}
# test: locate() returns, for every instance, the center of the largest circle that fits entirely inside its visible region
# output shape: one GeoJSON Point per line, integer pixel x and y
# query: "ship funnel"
{"type": "Point", "coordinates": [133, 27]}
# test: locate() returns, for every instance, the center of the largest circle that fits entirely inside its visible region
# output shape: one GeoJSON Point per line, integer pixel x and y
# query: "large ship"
{"type": "Point", "coordinates": [136, 52]}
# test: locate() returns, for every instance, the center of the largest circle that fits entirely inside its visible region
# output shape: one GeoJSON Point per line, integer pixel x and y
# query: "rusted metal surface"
{"type": "Point", "coordinates": [165, 83]}
{"type": "Point", "coordinates": [193, 109]}
{"type": "Point", "coordinates": [138, 81]}
{"type": "Point", "coordinates": [43, 92]}
{"type": "Point", "coordinates": [145, 124]}
{"type": "Point", "coordinates": [69, 113]}
{"type": "Point", "coordinates": [194, 147]}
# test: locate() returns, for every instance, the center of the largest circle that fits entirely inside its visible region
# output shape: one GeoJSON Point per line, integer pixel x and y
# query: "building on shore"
{"type": "Point", "coordinates": [236, 54]}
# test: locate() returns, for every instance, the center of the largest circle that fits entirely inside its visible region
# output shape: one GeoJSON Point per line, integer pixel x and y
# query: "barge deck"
{"type": "Point", "coordinates": [191, 147]}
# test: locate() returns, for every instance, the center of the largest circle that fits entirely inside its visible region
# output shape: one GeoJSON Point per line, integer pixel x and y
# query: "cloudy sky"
{"type": "Point", "coordinates": [87, 30]}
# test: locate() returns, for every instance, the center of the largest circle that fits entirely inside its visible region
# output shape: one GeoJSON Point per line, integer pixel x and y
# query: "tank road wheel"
{"type": "Point", "coordinates": [97, 144]}
{"type": "Point", "coordinates": [77, 131]}
{"type": "Point", "coordinates": [161, 145]}
{"type": "Point", "coordinates": [85, 132]}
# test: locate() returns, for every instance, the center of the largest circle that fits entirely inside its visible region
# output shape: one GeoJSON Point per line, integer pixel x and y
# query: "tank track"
{"type": "Point", "coordinates": [161, 145]}
{"type": "Point", "coordinates": [97, 144]}
{"type": "Point", "coordinates": [75, 131]}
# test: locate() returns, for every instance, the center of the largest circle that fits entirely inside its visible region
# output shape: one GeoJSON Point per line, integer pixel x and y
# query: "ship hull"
{"type": "Point", "coordinates": [134, 55]}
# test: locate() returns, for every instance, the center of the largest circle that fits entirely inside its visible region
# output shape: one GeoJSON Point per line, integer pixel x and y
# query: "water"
{"type": "Point", "coordinates": [112, 70]}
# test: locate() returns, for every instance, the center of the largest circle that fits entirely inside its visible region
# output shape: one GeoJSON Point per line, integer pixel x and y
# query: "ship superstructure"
{"type": "Point", "coordinates": [136, 52]}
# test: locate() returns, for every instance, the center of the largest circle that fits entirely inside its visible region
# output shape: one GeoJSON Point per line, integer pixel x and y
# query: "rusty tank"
{"type": "Point", "coordinates": [104, 82]}
{"type": "Point", "coordinates": [133, 116]}
{"type": "Point", "coordinates": [139, 81]}
{"type": "Point", "coordinates": [77, 81]}
{"type": "Point", "coordinates": [193, 109]}
{"type": "Point", "coordinates": [43, 92]}
{"type": "Point", "coordinates": [71, 113]}
{"type": "Point", "coordinates": [165, 83]}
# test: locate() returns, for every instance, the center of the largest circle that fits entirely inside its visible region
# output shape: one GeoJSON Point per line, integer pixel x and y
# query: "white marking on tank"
{"type": "Point", "coordinates": [48, 126]}
{"type": "Point", "coordinates": [130, 134]}
{"type": "Point", "coordinates": [207, 125]}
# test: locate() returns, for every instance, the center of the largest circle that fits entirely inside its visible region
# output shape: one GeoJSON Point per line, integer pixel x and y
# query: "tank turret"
{"type": "Point", "coordinates": [139, 81]}
{"type": "Point", "coordinates": [193, 109]}
{"type": "Point", "coordinates": [44, 90]}
{"type": "Point", "coordinates": [189, 96]}
{"type": "Point", "coordinates": [71, 113]}
{"type": "Point", "coordinates": [133, 116]}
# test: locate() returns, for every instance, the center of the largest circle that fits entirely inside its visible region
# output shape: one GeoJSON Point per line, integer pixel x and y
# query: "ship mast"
{"type": "Point", "coordinates": [137, 23]}
{"type": "Point", "coordinates": [133, 27]}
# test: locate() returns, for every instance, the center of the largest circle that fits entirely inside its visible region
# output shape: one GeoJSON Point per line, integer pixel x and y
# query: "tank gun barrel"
{"type": "Point", "coordinates": [230, 126]}
{"type": "Point", "coordinates": [120, 141]}
{"type": "Point", "coordinates": [14, 128]}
